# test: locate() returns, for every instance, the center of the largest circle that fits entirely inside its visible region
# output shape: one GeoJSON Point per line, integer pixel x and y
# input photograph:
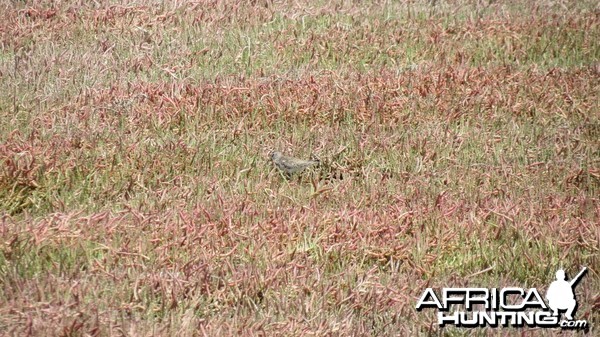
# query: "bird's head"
{"type": "Point", "coordinates": [274, 155]}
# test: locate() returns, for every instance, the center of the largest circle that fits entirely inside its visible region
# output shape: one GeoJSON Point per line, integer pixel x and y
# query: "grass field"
{"type": "Point", "coordinates": [460, 147]}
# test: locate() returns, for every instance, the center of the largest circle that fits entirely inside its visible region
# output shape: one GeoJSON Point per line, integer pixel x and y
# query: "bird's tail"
{"type": "Point", "coordinates": [315, 159]}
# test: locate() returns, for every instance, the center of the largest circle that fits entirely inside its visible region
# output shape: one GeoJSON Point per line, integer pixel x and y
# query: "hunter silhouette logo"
{"type": "Point", "coordinates": [560, 294]}
{"type": "Point", "coordinates": [511, 306]}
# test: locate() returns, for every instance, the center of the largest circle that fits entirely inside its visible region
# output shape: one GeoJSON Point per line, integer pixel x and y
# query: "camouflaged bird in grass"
{"type": "Point", "coordinates": [291, 165]}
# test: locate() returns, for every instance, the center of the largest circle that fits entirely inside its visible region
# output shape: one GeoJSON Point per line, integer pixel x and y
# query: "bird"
{"type": "Point", "coordinates": [291, 165]}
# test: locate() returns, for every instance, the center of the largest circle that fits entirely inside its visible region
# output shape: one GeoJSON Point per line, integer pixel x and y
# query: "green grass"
{"type": "Point", "coordinates": [460, 147]}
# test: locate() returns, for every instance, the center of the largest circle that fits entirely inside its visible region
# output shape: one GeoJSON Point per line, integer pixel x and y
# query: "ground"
{"type": "Point", "coordinates": [459, 141]}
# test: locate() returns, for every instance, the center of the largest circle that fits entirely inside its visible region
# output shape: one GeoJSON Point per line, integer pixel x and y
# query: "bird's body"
{"type": "Point", "coordinates": [290, 165]}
